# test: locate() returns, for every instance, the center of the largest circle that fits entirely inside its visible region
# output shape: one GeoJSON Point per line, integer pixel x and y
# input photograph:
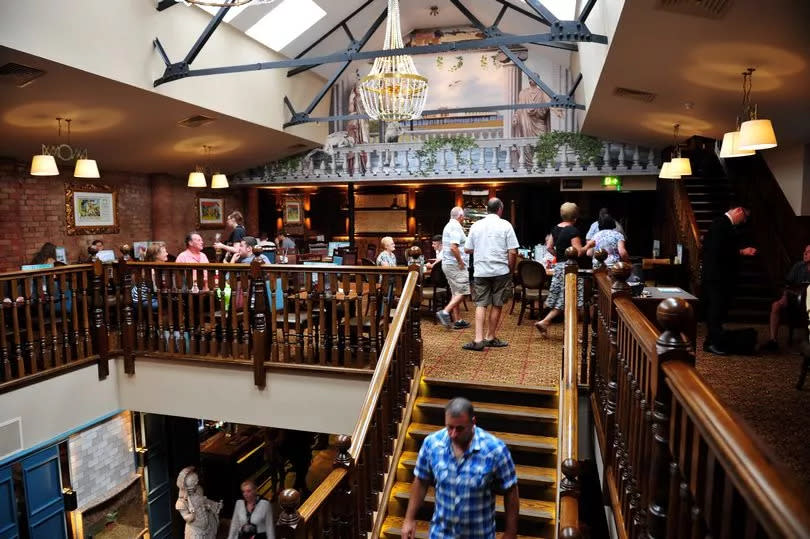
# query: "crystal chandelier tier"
{"type": "Point", "coordinates": [393, 90]}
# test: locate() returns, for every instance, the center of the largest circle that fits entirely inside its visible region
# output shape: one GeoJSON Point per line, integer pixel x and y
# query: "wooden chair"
{"type": "Point", "coordinates": [436, 288]}
{"type": "Point", "coordinates": [796, 314]}
{"type": "Point", "coordinates": [367, 262]}
{"type": "Point", "coordinates": [531, 276]}
{"type": "Point", "coordinates": [806, 345]}
{"type": "Point", "coordinates": [349, 255]}
{"type": "Point", "coordinates": [371, 251]}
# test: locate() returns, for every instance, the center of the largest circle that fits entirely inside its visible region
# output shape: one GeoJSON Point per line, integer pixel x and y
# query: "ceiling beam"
{"type": "Point", "coordinates": [165, 4]}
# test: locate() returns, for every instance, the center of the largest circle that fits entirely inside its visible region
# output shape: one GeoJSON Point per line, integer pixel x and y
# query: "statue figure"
{"type": "Point", "coordinates": [200, 513]}
{"type": "Point", "coordinates": [357, 129]}
{"type": "Point", "coordinates": [529, 122]}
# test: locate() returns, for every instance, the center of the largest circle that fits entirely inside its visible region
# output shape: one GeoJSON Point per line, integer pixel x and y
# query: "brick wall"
{"type": "Point", "coordinates": [102, 460]}
{"type": "Point", "coordinates": [32, 212]}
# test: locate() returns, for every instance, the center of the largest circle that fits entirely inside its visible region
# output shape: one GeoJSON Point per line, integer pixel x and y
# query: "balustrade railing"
{"type": "Point", "coordinates": [502, 157]}
{"type": "Point", "coordinates": [676, 462]}
{"type": "Point", "coordinates": [344, 503]}
{"type": "Point", "coordinates": [680, 219]}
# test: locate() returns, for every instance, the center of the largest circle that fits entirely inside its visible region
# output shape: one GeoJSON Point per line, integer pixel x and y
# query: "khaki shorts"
{"type": "Point", "coordinates": [493, 290]}
{"type": "Point", "coordinates": [457, 279]}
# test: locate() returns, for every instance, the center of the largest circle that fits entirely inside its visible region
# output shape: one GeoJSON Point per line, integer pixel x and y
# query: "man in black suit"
{"type": "Point", "coordinates": [721, 247]}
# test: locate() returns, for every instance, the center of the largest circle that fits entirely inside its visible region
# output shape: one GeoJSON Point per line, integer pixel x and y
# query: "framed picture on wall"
{"type": "Point", "coordinates": [91, 209]}
{"type": "Point", "coordinates": [210, 212]}
{"type": "Point", "coordinates": [292, 212]}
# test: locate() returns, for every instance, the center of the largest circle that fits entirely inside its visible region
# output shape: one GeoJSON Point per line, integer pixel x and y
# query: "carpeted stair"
{"type": "Point", "coordinates": [525, 419]}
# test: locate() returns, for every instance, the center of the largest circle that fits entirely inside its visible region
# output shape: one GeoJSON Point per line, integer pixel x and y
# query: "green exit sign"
{"type": "Point", "coordinates": [612, 182]}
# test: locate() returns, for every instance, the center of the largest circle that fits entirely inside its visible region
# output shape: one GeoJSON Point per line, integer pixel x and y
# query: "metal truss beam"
{"type": "Point", "coordinates": [543, 11]}
{"type": "Point", "coordinates": [181, 70]}
{"type": "Point", "coordinates": [300, 118]}
{"type": "Point", "coordinates": [165, 4]}
{"type": "Point", "coordinates": [583, 16]}
{"type": "Point", "coordinates": [354, 47]}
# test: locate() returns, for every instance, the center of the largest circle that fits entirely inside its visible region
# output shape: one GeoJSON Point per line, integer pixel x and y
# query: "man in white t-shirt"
{"type": "Point", "coordinates": [494, 244]}
{"type": "Point", "coordinates": [454, 265]}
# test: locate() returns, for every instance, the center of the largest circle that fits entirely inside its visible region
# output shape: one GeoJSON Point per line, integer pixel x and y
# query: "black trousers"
{"type": "Point", "coordinates": [717, 299]}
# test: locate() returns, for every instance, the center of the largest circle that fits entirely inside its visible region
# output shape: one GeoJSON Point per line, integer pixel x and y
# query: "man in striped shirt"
{"type": "Point", "coordinates": [468, 466]}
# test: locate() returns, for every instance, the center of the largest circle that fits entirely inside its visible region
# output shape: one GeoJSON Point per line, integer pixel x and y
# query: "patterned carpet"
{"type": "Point", "coordinates": [760, 389]}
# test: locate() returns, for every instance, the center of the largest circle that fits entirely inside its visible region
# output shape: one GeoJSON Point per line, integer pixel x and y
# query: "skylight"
{"type": "Point", "coordinates": [288, 20]}
{"type": "Point", "coordinates": [563, 9]}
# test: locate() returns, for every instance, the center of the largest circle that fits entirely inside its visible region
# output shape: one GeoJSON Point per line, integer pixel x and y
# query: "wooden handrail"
{"type": "Point", "coordinates": [567, 430]}
{"type": "Point", "coordinates": [56, 270]}
{"type": "Point", "coordinates": [384, 362]}
{"type": "Point", "coordinates": [781, 508]}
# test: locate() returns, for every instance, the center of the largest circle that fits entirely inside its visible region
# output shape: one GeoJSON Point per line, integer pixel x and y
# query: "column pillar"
{"type": "Point", "coordinates": [252, 216]}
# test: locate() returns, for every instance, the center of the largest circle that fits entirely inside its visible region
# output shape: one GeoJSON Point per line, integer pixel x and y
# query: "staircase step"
{"type": "Point", "coordinates": [528, 475]}
{"type": "Point", "coordinates": [502, 410]}
{"type": "Point", "coordinates": [537, 510]}
{"type": "Point", "coordinates": [521, 442]}
{"type": "Point", "coordinates": [392, 527]}
{"type": "Point", "coordinates": [462, 384]}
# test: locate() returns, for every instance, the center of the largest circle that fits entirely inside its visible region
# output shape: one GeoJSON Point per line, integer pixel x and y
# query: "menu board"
{"type": "Point", "coordinates": [387, 200]}
{"type": "Point", "coordinates": [385, 221]}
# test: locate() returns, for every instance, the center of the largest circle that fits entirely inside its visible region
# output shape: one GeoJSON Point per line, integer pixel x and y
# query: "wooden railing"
{"type": "Point", "coordinates": [680, 220]}
{"type": "Point", "coordinates": [676, 462]}
{"type": "Point", "coordinates": [568, 425]}
{"type": "Point", "coordinates": [328, 318]}
{"type": "Point", "coordinates": [344, 504]}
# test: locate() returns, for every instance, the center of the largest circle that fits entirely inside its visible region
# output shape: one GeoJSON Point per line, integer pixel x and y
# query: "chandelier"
{"type": "Point", "coordinates": [393, 90]}
{"type": "Point", "coordinates": [44, 163]}
{"type": "Point", "coordinates": [677, 166]}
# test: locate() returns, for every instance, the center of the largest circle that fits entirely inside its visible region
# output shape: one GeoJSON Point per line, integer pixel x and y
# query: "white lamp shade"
{"type": "Point", "coordinates": [731, 146]}
{"type": "Point", "coordinates": [666, 172]}
{"type": "Point", "coordinates": [219, 181]}
{"type": "Point", "coordinates": [86, 168]}
{"type": "Point", "coordinates": [757, 135]}
{"type": "Point", "coordinates": [196, 179]}
{"type": "Point", "coordinates": [44, 165]}
{"type": "Point", "coordinates": [681, 166]}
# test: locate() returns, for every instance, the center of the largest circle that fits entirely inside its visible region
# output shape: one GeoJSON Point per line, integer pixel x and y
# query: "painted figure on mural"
{"type": "Point", "coordinates": [357, 129]}
{"type": "Point", "coordinates": [200, 513]}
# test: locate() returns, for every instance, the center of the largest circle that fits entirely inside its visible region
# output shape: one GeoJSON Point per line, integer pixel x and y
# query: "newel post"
{"type": "Point", "coordinates": [569, 495]}
{"type": "Point", "coordinates": [101, 343]}
{"type": "Point", "coordinates": [343, 505]}
{"type": "Point", "coordinates": [415, 346]}
{"type": "Point", "coordinates": [128, 333]}
{"type": "Point", "coordinates": [288, 523]}
{"type": "Point", "coordinates": [673, 315]}
{"type": "Point", "coordinates": [619, 273]}
{"type": "Point", "coordinates": [261, 340]}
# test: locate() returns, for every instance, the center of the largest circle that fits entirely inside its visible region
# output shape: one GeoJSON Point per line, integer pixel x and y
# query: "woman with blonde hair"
{"type": "Point", "coordinates": [565, 234]}
{"type": "Point", "coordinates": [387, 257]}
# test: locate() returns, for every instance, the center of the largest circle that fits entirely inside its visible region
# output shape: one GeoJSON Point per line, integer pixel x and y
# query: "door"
{"type": "Point", "coordinates": [42, 483]}
{"type": "Point", "coordinates": [158, 482]}
{"type": "Point", "coordinates": [8, 506]}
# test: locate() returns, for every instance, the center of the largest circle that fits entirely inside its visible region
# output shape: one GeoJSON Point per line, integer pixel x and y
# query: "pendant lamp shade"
{"type": "Point", "coordinates": [731, 146]}
{"type": "Point", "coordinates": [666, 172]}
{"type": "Point", "coordinates": [44, 165]}
{"type": "Point", "coordinates": [757, 135]}
{"type": "Point", "coordinates": [86, 168]}
{"type": "Point", "coordinates": [196, 179]}
{"type": "Point", "coordinates": [681, 166]}
{"type": "Point", "coordinates": [219, 181]}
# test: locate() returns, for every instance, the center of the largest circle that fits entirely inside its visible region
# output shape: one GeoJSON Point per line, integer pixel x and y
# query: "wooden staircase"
{"type": "Point", "coordinates": [710, 197]}
{"type": "Point", "coordinates": [524, 418]}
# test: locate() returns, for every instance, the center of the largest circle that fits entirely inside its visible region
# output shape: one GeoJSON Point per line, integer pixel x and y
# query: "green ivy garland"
{"type": "Point", "coordinates": [288, 164]}
{"type": "Point", "coordinates": [430, 148]}
{"type": "Point", "coordinates": [585, 147]}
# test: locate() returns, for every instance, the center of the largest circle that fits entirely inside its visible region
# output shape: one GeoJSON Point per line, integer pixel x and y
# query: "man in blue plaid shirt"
{"type": "Point", "coordinates": [468, 466]}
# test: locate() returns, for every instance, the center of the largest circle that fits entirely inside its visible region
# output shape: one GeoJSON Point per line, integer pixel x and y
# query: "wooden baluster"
{"type": "Point", "coordinates": [223, 304]}
{"type": "Point", "coordinates": [373, 295]}
{"type": "Point", "coordinates": [600, 256]}
{"type": "Point", "coordinates": [386, 285]}
{"type": "Point", "coordinates": [288, 525]}
{"type": "Point", "coordinates": [261, 341]}
{"type": "Point", "coordinates": [347, 353]}
{"type": "Point", "coordinates": [202, 329]}
{"type": "Point", "coordinates": [297, 295]}
{"type": "Point", "coordinates": [569, 497]}
{"type": "Point", "coordinates": [285, 324]}
{"type": "Point", "coordinates": [65, 313]}
{"type": "Point", "coordinates": [361, 349]}
{"type": "Point", "coordinates": [215, 293]}
{"type": "Point", "coordinates": [673, 315]}
{"type": "Point", "coordinates": [128, 333]}
{"type": "Point", "coordinates": [5, 365]}
{"type": "Point", "coordinates": [163, 302]}
{"type": "Point", "coordinates": [343, 509]}
{"type": "Point", "coordinates": [333, 292]}
{"type": "Point", "coordinates": [246, 308]}
{"type": "Point", "coordinates": [185, 297]}
{"type": "Point", "coordinates": [30, 351]}
{"type": "Point", "coordinates": [99, 327]}
{"type": "Point", "coordinates": [321, 342]}
{"type": "Point", "coordinates": [619, 273]}
{"type": "Point", "coordinates": [233, 334]}
{"type": "Point", "coordinates": [152, 334]}
{"type": "Point", "coordinates": [15, 320]}
{"type": "Point", "coordinates": [141, 307]}
{"type": "Point", "coordinates": [275, 343]}
{"type": "Point", "coordinates": [191, 328]}
{"type": "Point", "coordinates": [44, 298]}
{"type": "Point", "coordinates": [587, 293]}
{"type": "Point", "coordinates": [309, 294]}
{"type": "Point", "coordinates": [80, 305]}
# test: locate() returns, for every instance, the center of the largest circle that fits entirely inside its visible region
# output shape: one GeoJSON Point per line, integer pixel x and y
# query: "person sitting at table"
{"type": "Point", "coordinates": [284, 242]}
{"type": "Point", "coordinates": [387, 257]}
{"type": "Point", "coordinates": [563, 235]}
{"type": "Point", "coordinates": [45, 255]}
{"type": "Point", "coordinates": [607, 239]}
{"type": "Point", "coordinates": [245, 254]}
{"type": "Point", "coordinates": [798, 276]}
{"type": "Point", "coordinates": [436, 243]}
{"type": "Point", "coordinates": [596, 228]}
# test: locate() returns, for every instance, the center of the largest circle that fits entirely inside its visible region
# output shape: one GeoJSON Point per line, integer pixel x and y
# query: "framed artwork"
{"type": "Point", "coordinates": [91, 209]}
{"type": "Point", "coordinates": [292, 212]}
{"type": "Point", "coordinates": [210, 212]}
{"type": "Point", "coordinates": [381, 221]}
